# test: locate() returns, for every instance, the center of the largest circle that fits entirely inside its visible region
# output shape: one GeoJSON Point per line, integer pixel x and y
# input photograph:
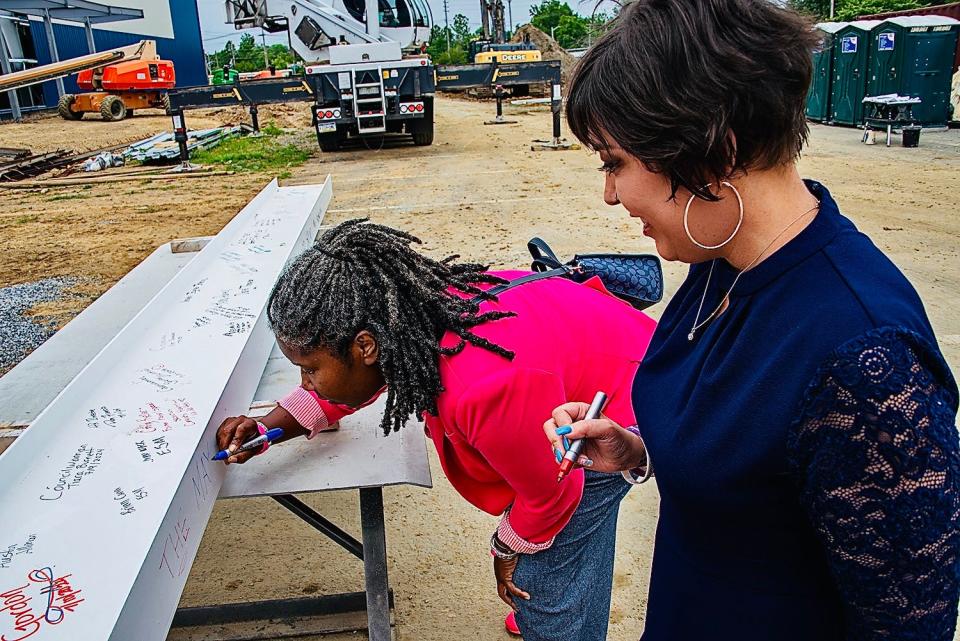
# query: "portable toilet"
{"type": "Point", "coordinates": [913, 56]}
{"type": "Point", "coordinates": [818, 96]}
{"type": "Point", "coordinates": [850, 58]}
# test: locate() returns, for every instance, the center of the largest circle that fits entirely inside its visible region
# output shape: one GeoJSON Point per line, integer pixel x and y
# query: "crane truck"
{"type": "Point", "coordinates": [364, 63]}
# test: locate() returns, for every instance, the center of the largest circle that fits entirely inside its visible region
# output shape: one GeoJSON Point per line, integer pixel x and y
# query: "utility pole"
{"type": "Point", "coordinates": [446, 23]}
{"type": "Point", "coordinates": [499, 26]}
{"type": "Point", "coordinates": [485, 18]}
{"type": "Point", "coordinates": [266, 58]}
{"type": "Point", "coordinates": [510, 12]}
{"type": "Point", "coordinates": [832, 7]}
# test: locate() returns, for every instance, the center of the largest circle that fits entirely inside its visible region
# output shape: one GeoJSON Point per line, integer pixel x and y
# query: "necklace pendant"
{"type": "Point", "coordinates": [690, 336]}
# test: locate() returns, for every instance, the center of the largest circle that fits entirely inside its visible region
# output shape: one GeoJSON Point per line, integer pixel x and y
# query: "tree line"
{"type": "Point", "coordinates": [248, 56]}
{"type": "Point", "coordinates": [846, 10]}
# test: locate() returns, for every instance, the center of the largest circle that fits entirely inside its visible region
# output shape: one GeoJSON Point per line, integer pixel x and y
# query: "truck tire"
{"type": "Point", "coordinates": [423, 131]}
{"type": "Point", "coordinates": [112, 108]}
{"type": "Point", "coordinates": [332, 141]}
{"type": "Point", "coordinates": [424, 137]}
{"type": "Point", "coordinates": [63, 108]}
{"type": "Point", "coordinates": [329, 142]}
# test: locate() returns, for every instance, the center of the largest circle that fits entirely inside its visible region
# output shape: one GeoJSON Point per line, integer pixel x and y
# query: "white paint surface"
{"type": "Point", "coordinates": [157, 21]}
{"type": "Point", "coordinates": [103, 500]}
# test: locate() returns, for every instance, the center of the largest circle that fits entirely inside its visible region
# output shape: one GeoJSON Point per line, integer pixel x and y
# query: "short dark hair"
{"type": "Point", "coordinates": [672, 79]}
{"type": "Point", "coordinates": [362, 276]}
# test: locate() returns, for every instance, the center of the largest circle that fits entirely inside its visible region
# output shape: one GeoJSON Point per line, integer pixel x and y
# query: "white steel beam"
{"type": "Point", "coordinates": [104, 498]}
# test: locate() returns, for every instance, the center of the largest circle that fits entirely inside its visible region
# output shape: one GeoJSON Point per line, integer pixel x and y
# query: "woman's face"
{"type": "Point", "coordinates": [646, 195]}
{"type": "Point", "coordinates": [352, 381]}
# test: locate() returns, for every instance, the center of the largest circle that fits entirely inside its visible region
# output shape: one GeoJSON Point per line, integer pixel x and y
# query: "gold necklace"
{"type": "Point", "coordinates": [697, 323]}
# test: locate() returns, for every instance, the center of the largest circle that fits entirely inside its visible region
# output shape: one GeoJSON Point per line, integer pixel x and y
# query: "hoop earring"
{"type": "Point", "coordinates": [686, 216]}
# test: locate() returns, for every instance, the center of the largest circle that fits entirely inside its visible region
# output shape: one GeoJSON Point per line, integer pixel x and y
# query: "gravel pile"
{"type": "Point", "coordinates": [549, 48]}
{"type": "Point", "coordinates": [19, 335]}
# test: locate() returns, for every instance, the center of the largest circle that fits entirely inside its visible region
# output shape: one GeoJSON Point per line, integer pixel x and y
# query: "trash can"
{"type": "Point", "coordinates": [911, 136]}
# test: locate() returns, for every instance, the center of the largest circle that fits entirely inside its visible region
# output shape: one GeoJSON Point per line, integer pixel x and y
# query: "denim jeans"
{"type": "Point", "coordinates": [570, 583]}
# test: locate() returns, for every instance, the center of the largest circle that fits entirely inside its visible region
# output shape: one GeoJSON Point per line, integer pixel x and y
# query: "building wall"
{"type": "Point", "coordinates": [174, 25]}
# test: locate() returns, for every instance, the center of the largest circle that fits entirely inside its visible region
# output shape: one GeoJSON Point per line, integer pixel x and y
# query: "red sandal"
{"type": "Point", "coordinates": [510, 623]}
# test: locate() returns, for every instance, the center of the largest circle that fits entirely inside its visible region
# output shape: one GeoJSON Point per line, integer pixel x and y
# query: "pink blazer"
{"type": "Point", "coordinates": [570, 341]}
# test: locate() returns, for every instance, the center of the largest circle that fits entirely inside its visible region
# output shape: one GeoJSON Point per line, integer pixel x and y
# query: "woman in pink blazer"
{"type": "Point", "coordinates": [362, 313]}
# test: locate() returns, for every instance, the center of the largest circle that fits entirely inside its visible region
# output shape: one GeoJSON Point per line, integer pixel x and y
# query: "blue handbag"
{"type": "Point", "coordinates": [634, 278]}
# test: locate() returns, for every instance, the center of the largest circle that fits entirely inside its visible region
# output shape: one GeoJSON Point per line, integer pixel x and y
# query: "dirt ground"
{"type": "Point", "coordinates": [478, 191]}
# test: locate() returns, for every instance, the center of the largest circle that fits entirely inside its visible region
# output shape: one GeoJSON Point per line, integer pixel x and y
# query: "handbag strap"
{"type": "Point", "coordinates": [516, 282]}
{"type": "Point", "coordinates": [545, 265]}
{"type": "Point", "coordinates": [543, 257]}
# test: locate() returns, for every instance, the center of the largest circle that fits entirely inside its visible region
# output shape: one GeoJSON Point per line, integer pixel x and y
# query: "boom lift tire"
{"type": "Point", "coordinates": [165, 99]}
{"type": "Point", "coordinates": [112, 108]}
{"type": "Point", "coordinates": [63, 108]}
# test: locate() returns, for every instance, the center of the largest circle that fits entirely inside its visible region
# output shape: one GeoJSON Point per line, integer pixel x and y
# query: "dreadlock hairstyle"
{"type": "Point", "coordinates": [362, 276]}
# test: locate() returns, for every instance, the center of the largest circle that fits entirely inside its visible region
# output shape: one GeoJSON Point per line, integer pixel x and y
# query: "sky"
{"type": "Point", "coordinates": [216, 33]}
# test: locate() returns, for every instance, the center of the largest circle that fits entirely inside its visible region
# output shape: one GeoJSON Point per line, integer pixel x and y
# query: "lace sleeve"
{"type": "Point", "coordinates": [875, 450]}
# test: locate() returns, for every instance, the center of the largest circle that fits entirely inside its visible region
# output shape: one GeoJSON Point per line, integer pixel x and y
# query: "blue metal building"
{"type": "Point", "coordinates": [173, 24]}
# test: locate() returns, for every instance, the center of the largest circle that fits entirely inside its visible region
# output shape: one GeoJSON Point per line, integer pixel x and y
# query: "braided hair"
{"type": "Point", "coordinates": [362, 276]}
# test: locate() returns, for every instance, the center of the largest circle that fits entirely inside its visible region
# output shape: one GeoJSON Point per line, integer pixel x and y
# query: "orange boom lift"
{"type": "Point", "coordinates": [117, 81]}
{"type": "Point", "coordinates": [117, 89]}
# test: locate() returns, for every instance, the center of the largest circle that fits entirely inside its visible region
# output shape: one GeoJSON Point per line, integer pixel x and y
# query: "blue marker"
{"type": "Point", "coordinates": [252, 444]}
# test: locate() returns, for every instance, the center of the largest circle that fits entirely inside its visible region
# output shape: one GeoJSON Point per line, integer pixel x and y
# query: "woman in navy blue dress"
{"type": "Point", "coordinates": [794, 404]}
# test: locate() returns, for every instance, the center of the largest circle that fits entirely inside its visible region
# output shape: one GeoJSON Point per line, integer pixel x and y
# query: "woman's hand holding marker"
{"type": "Point", "coordinates": [234, 432]}
{"type": "Point", "coordinates": [607, 448]}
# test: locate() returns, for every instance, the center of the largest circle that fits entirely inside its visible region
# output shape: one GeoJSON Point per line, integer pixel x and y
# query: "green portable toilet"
{"type": "Point", "coordinates": [818, 96]}
{"type": "Point", "coordinates": [913, 56]}
{"type": "Point", "coordinates": [850, 58]}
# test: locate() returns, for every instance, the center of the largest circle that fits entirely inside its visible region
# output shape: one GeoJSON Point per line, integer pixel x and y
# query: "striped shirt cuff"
{"type": "Point", "coordinates": [304, 407]}
{"type": "Point", "coordinates": [517, 543]}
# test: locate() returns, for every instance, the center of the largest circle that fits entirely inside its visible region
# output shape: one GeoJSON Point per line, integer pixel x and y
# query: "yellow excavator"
{"type": "Point", "coordinates": [491, 48]}
{"type": "Point", "coordinates": [486, 51]}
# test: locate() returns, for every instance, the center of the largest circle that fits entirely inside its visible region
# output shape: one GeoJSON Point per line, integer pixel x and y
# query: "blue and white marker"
{"type": "Point", "coordinates": [252, 444]}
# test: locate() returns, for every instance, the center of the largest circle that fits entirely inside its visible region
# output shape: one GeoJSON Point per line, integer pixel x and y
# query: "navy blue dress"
{"type": "Point", "coordinates": [805, 450]}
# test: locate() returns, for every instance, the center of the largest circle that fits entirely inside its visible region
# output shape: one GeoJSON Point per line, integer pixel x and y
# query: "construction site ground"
{"type": "Point", "coordinates": [480, 192]}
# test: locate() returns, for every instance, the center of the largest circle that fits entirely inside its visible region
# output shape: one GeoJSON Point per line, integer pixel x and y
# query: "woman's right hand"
{"type": "Point", "coordinates": [610, 447]}
{"type": "Point", "coordinates": [234, 432]}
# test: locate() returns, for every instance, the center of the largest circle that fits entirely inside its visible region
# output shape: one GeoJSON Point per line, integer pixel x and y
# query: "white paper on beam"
{"type": "Point", "coordinates": [104, 499]}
